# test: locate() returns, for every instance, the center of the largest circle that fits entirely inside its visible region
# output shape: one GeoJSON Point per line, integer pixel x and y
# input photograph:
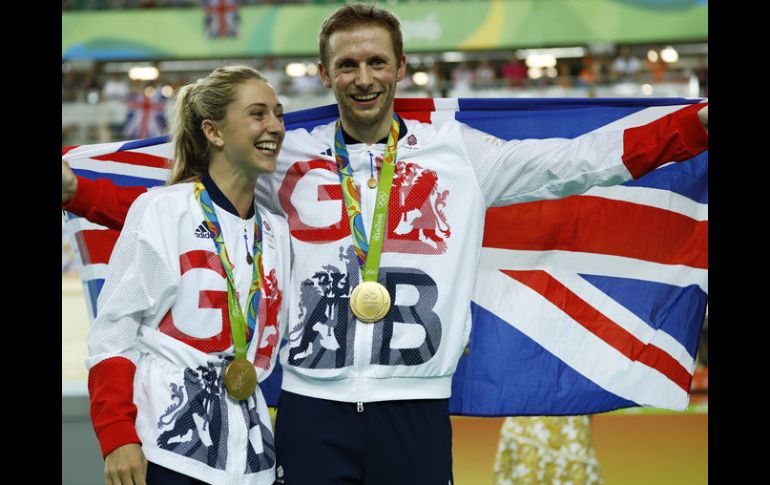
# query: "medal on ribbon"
{"type": "Point", "coordinates": [240, 379]}
{"type": "Point", "coordinates": [370, 301]}
{"type": "Point", "coordinates": [240, 375]}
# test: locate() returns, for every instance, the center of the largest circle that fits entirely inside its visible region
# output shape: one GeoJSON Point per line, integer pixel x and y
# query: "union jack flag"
{"type": "Point", "coordinates": [582, 305]}
{"type": "Point", "coordinates": [222, 18]}
{"type": "Point", "coordinates": [146, 116]}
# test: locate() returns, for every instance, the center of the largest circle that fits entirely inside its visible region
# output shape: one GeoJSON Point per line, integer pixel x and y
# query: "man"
{"type": "Point", "coordinates": [368, 402]}
{"type": "Point", "coordinates": [626, 68]}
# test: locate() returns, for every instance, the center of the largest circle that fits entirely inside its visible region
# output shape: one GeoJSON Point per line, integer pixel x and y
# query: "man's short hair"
{"type": "Point", "coordinates": [354, 15]}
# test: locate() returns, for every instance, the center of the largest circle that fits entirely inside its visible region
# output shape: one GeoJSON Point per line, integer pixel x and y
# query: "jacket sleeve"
{"type": "Point", "coordinates": [102, 202]}
{"type": "Point", "coordinates": [139, 282]}
{"type": "Point", "coordinates": [515, 171]}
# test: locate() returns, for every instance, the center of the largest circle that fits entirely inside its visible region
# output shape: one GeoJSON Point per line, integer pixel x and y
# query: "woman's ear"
{"type": "Point", "coordinates": [211, 132]}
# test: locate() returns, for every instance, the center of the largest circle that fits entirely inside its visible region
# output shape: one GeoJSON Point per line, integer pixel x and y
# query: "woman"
{"type": "Point", "coordinates": [187, 321]}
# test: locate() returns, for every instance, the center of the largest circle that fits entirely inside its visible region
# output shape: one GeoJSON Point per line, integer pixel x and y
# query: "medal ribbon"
{"type": "Point", "coordinates": [242, 334]}
{"type": "Point", "coordinates": [368, 253]}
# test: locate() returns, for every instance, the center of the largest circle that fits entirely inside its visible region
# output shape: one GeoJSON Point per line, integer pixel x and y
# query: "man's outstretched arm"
{"type": "Point", "coordinates": [524, 170]}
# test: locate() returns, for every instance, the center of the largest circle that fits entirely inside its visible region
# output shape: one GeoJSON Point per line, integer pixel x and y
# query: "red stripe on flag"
{"type": "Point", "coordinates": [596, 225]}
{"type": "Point", "coordinates": [66, 149]}
{"type": "Point", "coordinates": [98, 244]}
{"type": "Point", "coordinates": [135, 158]}
{"type": "Point", "coordinates": [601, 326]}
{"type": "Point", "coordinates": [415, 108]}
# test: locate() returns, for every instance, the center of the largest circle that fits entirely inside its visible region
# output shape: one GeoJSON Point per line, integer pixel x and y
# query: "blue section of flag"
{"type": "Point", "coordinates": [688, 178]}
{"type": "Point", "coordinates": [541, 105]}
{"type": "Point", "coordinates": [661, 306]}
{"type": "Point", "coordinates": [145, 142]}
{"type": "Point", "coordinates": [505, 370]}
{"type": "Point", "coordinates": [94, 287]}
{"type": "Point", "coordinates": [310, 118]}
{"type": "Point", "coordinates": [547, 124]}
{"type": "Point", "coordinates": [124, 180]}
{"type": "Point", "coordinates": [550, 118]}
{"type": "Point", "coordinates": [271, 387]}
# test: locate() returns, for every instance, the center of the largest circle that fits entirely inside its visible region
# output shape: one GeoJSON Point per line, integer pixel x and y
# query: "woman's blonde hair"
{"type": "Point", "coordinates": [206, 98]}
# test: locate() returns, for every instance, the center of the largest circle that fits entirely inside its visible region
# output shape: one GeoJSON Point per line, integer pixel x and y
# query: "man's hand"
{"type": "Point", "coordinates": [69, 183]}
{"type": "Point", "coordinates": [703, 115]}
{"type": "Point", "coordinates": [125, 465]}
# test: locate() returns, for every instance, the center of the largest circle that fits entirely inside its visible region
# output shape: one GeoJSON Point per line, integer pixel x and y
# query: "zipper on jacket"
{"type": "Point", "coordinates": [359, 400]}
{"type": "Point", "coordinates": [361, 329]}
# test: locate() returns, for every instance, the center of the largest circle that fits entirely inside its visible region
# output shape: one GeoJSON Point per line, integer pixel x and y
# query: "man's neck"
{"type": "Point", "coordinates": [368, 134]}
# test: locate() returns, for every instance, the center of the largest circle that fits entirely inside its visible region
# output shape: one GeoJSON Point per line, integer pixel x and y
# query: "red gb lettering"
{"type": "Point", "coordinates": [269, 308]}
{"type": "Point", "coordinates": [326, 192]}
{"type": "Point", "coordinates": [267, 330]}
{"type": "Point", "coordinates": [206, 299]}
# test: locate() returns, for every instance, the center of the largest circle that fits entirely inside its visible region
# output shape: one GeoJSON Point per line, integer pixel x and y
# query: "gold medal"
{"type": "Point", "coordinates": [240, 379]}
{"type": "Point", "coordinates": [372, 183]}
{"type": "Point", "coordinates": [370, 302]}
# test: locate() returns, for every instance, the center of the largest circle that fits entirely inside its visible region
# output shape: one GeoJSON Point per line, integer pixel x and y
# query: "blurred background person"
{"type": "Point", "coordinates": [626, 67]}
{"type": "Point", "coordinates": [484, 76]}
{"type": "Point", "coordinates": [546, 450]}
{"type": "Point", "coordinates": [587, 75]}
{"type": "Point", "coordinates": [514, 71]}
{"type": "Point", "coordinates": [116, 88]}
{"type": "Point", "coordinates": [462, 78]}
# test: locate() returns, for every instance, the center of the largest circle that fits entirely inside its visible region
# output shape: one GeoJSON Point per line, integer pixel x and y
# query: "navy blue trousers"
{"type": "Point", "coordinates": [158, 475]}
{"type": "Point", "coordinates": [322, 442]}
